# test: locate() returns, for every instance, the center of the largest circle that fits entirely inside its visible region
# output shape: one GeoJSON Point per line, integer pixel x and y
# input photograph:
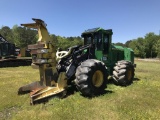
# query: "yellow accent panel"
{"type": "Point", "coordinates": [62, 81]}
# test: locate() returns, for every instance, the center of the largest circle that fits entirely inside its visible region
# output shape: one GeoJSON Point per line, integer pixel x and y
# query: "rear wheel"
{"type": "Point", "coordinates": [123, 73]}
{"type": "Point", "coordinates": [91, 77]}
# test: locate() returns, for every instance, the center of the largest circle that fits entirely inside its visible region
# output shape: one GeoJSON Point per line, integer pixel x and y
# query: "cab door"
{"type": "Point", "coordinates": [98, 45]}
{"type": "Point", "coordinates": [106, 46]}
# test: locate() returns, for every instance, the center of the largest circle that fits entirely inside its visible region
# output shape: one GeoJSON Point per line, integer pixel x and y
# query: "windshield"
{"type": "Point", "coordinates": [7, 49]}
{"type": "Point", "coordinates": [98, 41]}
{"type": "Point", "coordinates": [87, 40]}
{"type": "Point", "coordinates": [106, 43]}
{"type": "Point", "coordinates": [4, 49]}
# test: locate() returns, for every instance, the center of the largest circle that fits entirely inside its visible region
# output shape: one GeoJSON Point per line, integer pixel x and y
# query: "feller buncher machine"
{"type": "Point", "coordinates": [87, 66]}
{"type": "Point", "coordinates": [8, 55]}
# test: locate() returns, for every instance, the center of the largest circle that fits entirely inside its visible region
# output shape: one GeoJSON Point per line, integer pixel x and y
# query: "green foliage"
{"type": "Point", "coordinates": [150, 42]}
{"type": "Point", "coordinates": [20, 36]}
{"type": "Point", "coordinates": [144, 47]}
{"type": "Point", "coordinates": [138, 47]}
{"type": "Point", "coordinates": [119, 44]}
{"type": "Point", "coordinates": [127, 43]}
{"type": "Point", "coordinates": [23, 36]}
{"type": "Point", "coordinates": [147, 47]}
{"type": "Point", "coordinates": [64, 43]}
{"type": "Point", "coordinates": [157, 46]}
{"type": "Point", "coordinates": [6, 32]}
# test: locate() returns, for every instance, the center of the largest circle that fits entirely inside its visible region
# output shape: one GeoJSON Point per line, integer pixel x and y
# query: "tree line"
{"type": "Point", "coordinates": [145, 47]}
{"type": "Point", "coordinates": [22, 37]}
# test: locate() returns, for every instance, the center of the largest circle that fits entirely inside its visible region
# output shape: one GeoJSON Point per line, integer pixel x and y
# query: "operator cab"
{"type": "Point", "coordinates": [100, 38]}
{"type": "Point", "coordinates": [6, 49]}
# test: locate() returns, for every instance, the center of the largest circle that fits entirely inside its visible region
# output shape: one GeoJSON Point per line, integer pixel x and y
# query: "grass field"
{"type": "Point", "coordinates": [139, 101]}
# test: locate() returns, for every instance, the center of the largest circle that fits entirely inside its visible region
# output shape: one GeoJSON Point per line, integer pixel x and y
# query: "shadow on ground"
{"type": "Point", "coordinates": [136, 79]}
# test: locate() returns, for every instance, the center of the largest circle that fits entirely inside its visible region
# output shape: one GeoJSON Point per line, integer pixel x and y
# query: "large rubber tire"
{"type": "Point", "coordinates": [123, 73]}
{"type": "Point", "coordinates": [91, 77]}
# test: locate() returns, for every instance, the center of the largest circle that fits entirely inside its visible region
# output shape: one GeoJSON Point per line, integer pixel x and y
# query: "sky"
{"type": "Point", "coordinates": [129, 19]}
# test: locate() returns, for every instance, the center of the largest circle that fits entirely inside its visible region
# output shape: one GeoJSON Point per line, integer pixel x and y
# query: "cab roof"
{"type": "Point", "coordinates": [93, 30]}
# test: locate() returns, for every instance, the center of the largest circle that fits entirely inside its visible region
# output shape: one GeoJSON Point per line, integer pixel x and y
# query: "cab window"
{"type": "Point", "coordinates": [87, 40]}
{"type": "Point", "coordinates": [98, 41]}
{"type": "Point", "coordinates": [106, 43]}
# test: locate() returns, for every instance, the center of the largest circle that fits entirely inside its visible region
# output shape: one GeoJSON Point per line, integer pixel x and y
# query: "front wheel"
{"type": "Point", "coordinates": [91, 77]}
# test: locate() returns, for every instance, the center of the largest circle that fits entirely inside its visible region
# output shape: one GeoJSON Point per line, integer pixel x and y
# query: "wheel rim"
{"type": "Point", "coordinates": [97, 78]}
{"type": "Point", "coordinates": [129, 74]}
